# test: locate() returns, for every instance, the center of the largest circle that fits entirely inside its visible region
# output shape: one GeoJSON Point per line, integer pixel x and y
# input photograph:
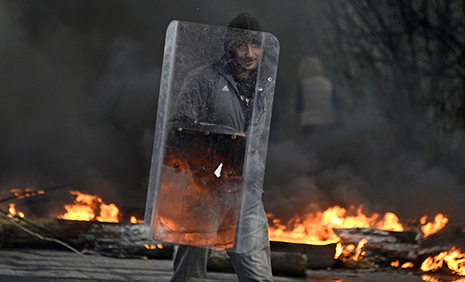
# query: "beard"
{"type": "Point", "coordinates": [243, 68]}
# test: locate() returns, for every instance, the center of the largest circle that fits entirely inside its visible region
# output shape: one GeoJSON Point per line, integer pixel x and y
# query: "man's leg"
{"type": "Point", "coordinates": [255, 265]}
{"type": "Point", "coordinates": [190, 264]}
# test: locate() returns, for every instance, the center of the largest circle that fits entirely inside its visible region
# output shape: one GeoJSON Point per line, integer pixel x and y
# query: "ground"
{"type": "Point", "coordinates": [34, 265]}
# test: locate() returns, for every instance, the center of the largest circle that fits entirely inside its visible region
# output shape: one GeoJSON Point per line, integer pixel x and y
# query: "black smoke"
{"type": "Point", "coordinates": [356, 162]}
{"type": "Point", "coordinates": [79, 96]}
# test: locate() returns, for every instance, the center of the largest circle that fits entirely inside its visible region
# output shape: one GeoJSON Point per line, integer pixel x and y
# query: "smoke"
{"type": "Point", "coordinates": [357, 162]}
{"type": "Point", "coordinates": [78, 103]}
{"type": "Point", "coordinates": [79, 92]}
{"type": "Point", "coordinates": [67, 118]}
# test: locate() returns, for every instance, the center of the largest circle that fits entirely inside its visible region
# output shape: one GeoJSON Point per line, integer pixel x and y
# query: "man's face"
{"type": "Point", "coordinates": [247, 56]}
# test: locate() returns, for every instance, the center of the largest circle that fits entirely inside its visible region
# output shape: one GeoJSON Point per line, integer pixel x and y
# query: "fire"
{"type": "Point", "coordinates": [153, 247]}
{"type": "Point", "coordinates": [429, 278]}
{"type": "Point", "coordinates": [359, 253]}
{"type": "Point", "coordinates": [350, 252]}
{"type": "Point", "coordinates": [134, 220]}
{"type": "Point", "coordinates": [433, 279]}
{"type": "Point", "coordinates": [454, 259]}
{"type": "Point", "coordinates": [390, 222]}
{"type": "Point", "coordinates": [339, 250]}
{"type": "Point", "coordinates": [430, 228]}
{"type": "Point", "coordinates": [12, 210]}
{"type": "Point", "coordinates": [408, 264]}
{"type": "Point", "coordinates": [24, 193]}
{"type": "Point", "coordinates": [317, 228]}
{"type": "Point", "coordinates": [108, 213]}
{"type": "Point", "coordinates": [90, 207]}
{"type": "Point", "coordinates": [187, 210]}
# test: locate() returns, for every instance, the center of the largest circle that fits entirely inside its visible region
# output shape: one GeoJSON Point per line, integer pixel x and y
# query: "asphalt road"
{"type": "Point", "coordinates": [30, 265]}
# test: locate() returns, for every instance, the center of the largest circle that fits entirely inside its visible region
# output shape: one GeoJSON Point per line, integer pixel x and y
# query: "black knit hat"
{"type": "Point", "coordinates": [242, 28]}
{"type": "Point", "coordinates": [245, 21]}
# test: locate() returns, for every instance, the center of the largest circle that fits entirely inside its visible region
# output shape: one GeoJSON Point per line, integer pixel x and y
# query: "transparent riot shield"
{"type": "Point", "coordinates": [211, 139]}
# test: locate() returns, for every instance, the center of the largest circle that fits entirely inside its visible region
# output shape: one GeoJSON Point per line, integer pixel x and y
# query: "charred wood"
{"type": "Point", "coordinates": [110, 239]}
{"type": "Point", "coordinates": [403, 245]}
{"type": "Point", "coordinates": [318, 256]}
{"type": "Point", "coordinates": [29, 193]}
{"type": "Point", "coordinates": [442, 241]}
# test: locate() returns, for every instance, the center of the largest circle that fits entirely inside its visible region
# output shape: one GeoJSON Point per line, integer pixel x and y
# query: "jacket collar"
{"type": "Point", "coordinates": [225, 68]}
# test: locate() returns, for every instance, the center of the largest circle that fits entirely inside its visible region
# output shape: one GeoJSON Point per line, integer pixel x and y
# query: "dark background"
{"type": "Point", "coordinates": [79, 89]}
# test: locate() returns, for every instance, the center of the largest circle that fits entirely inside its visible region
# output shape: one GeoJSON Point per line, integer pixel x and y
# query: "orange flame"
{"type": "Point", "coordinates": [430, 228]}
{"type": "Point", "coordinates": [317, 228]}
{"type": "Point", "coordinates": [350, 252]}
{"type": "Point", "coordinates": [339, 249]}
{"type": "Point", "coordinates": [408, 264]}
{"type": "Point", "coordinates": [12, 210]}
{"type": "Point", "coordinates": [153, 247]}
{"type": "Point", "coordinates": [454, 259]}
{"type": "Point", "coordinates": [429, 278]}
{"type": "Point", "coordinates": [359, 253]}
{"type": "Point", "coordinates": [390, 222]}
{"type": "Point", "coordinates": [108, 213]}
{"type": "Point", "coordinates": [24, 193]}
{"type": "Point", "coordinates": [90, 207]}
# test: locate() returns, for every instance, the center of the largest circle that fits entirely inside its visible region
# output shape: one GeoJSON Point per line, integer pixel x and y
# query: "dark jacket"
{"type": "Point", "coordinates": [211, 100]}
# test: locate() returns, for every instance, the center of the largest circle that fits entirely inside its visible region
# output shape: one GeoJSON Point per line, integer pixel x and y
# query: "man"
{"type": "Point", "coordinates": [220, 98]}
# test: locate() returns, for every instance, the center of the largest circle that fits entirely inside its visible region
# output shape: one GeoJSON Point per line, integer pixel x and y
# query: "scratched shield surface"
{"type": "Point", "coordinates": [205, 183]}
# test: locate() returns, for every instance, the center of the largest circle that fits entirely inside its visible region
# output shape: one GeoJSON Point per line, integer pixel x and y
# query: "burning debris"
{"type": "Point", "coordinates": [317, 228]}
{"type": "Point", "coordinates": [454, 259]}
{"type": "Point", "coordinates": [430, 228]}
{"type": "Point", "coordinates": [13, 211]}
{"type": "Point", "coordinates": [90, 207]}
{"type": "Point", "coordinates": [89, 225]}
{"type": "Point", "coordinates": [17, 193]}
{"type": "Point", "coordinates": [443, 252]}
{"type": "Point", "coordinates": [329, 239]}
{"type": "Point", "coordinates": [373, 241]}
{"type": "Point", "coordinates": [407, 250]}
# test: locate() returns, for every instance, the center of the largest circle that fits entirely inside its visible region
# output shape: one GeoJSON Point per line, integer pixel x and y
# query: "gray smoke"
{"type": "Point", "coordinates": [79, 97]}
{"type": "Point", "coordinates": [75, 107]}
{"type": "Point", "coordinates": [356, 162]}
